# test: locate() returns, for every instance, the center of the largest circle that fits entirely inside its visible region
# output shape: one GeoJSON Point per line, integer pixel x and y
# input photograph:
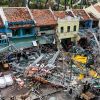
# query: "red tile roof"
{"type": "Point", "coordinates": [1, 23]}
{"type": "Point", "coordinates": [63, 14]}
{"type": "Point", "coordinates": [97, 7]}
{"type": "Point", "coordinates": [17, 14]}
{"type": "Point", "coordinates": [92, 16]}
{"type": "Point", "coordinates": [81, 13]}
{"type": "Point", "coordinates": [60, 14]}
{"type": "Point", "coordinates": [43, 17]}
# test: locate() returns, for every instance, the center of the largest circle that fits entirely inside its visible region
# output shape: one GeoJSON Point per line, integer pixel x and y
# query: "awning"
{"type": "Point", "coordinates": [23, 45]}
{"type": "Point", "coordinates": [46, 39]}
{"type": "Point", "coordinates": [23, 42]}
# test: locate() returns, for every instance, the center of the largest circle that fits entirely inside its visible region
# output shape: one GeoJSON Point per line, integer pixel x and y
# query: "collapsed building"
{"type": "Point", "coordinates": [40, 63]}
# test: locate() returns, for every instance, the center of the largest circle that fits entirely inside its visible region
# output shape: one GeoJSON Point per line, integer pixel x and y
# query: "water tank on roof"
{"type": "Point", "coordinates": [2, 82]}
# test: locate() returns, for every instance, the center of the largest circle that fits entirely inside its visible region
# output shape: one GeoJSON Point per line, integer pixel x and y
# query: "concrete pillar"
{"type": "Point", "coordinates": [91, 24]}
{"type": "Point", "coordinates": [21, 32]}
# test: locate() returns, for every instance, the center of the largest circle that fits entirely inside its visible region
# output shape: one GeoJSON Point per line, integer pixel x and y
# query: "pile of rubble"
{"type": "Point", "coordinates": [33, 68]}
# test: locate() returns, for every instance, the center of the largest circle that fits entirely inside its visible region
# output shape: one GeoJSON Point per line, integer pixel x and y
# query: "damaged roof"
{"type": "Point", "coordinates": [97, 7]}
{"type": "Point", "coordinates": [63, 14]}
{"type": "Point", "coordinates": [60, 14]}
{"type": "Point", "coordinates": [43, 17]}
{"type": "Point", "coordinates": [81, 13]}
{"type": "Point", "coordinates": [69, 13]}
{"type": "Point", "coordinates": [92, 16]}
{"type": "Point", "coordinates": [17, 15]}
{"type": "Point", "coordinates": [1, 22]}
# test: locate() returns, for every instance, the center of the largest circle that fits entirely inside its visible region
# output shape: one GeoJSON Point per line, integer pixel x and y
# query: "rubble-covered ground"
{"type": "Point", "coordinates": [55, 74]}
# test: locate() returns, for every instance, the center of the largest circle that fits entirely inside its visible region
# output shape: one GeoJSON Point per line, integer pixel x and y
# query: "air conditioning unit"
{"type": "Point", "coordinates": [3, 36]}
{"type": "Point", "coordinates": [9, 34]}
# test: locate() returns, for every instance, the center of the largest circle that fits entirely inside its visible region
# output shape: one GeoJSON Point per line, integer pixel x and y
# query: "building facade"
{"type": "Point", "coordinates": [45, 25]}
{"type": "Point", "coordinates": [3, 38]}
{"type": "Point", "coordinates": [68, 27]}
{"type": "Point", "coordinates": [19, 26]}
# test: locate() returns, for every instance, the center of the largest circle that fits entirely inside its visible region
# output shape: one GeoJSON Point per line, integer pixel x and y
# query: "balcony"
{"type": "Point", "coordinates": [23, 36]}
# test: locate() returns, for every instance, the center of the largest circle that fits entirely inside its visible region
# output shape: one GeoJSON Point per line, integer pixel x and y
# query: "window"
{"type": "Point", "coordinates": [4, 41]}
{"type": "Point", "coordinates": [62, 29]}
{"type": "Point", "coordinates": [68, 28]}
{"type": "Point", "coordinates": [74, 28]}
{"type": "Point", "coordinates": [45, 28]}
{"type": "Point", "coordinates": [15, 32]}
{"type": "Point", "coordinates": [27, 31]}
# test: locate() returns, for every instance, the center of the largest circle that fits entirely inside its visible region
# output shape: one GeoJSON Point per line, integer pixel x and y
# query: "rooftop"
{"type": "Point", "coordinates": [81, 13]}
{"type": "Point", "coordinates": [92, 16]}
{"type": "Point", "coordinates": [43, 17]}
{"type": "Point", "coordinates": [63, 14]}
{"type": "Point", "coordinates": [97, 7]}
{"type": "Point", "coordinates": [17, 14]}
{"type": "Point", "coordinates": [60, 14]}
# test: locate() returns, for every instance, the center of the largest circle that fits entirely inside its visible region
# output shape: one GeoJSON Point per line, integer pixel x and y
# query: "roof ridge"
{"type": "Point", "coordinates": [52, 13]}
{"type": "Point", "coordinates": [39, 9]}
{"type": "Point", "coordinates": [14, 7]}
{"type": "Point", "coordinates": [31, 14]}
{"type": "Point", "coordinates": [87, 14]}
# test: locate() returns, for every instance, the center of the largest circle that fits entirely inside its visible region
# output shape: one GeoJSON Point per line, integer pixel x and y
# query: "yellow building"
{"type": "Point", "coordinates": [68, 26]}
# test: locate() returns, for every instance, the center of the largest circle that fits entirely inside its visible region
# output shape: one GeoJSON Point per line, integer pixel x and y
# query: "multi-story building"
{"type": "Point", "coordinates": [19, 25]}
{"type": "Point", "coordinates": [68, 27]}
{"type": "Point", "coordinates": [45, 25]}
